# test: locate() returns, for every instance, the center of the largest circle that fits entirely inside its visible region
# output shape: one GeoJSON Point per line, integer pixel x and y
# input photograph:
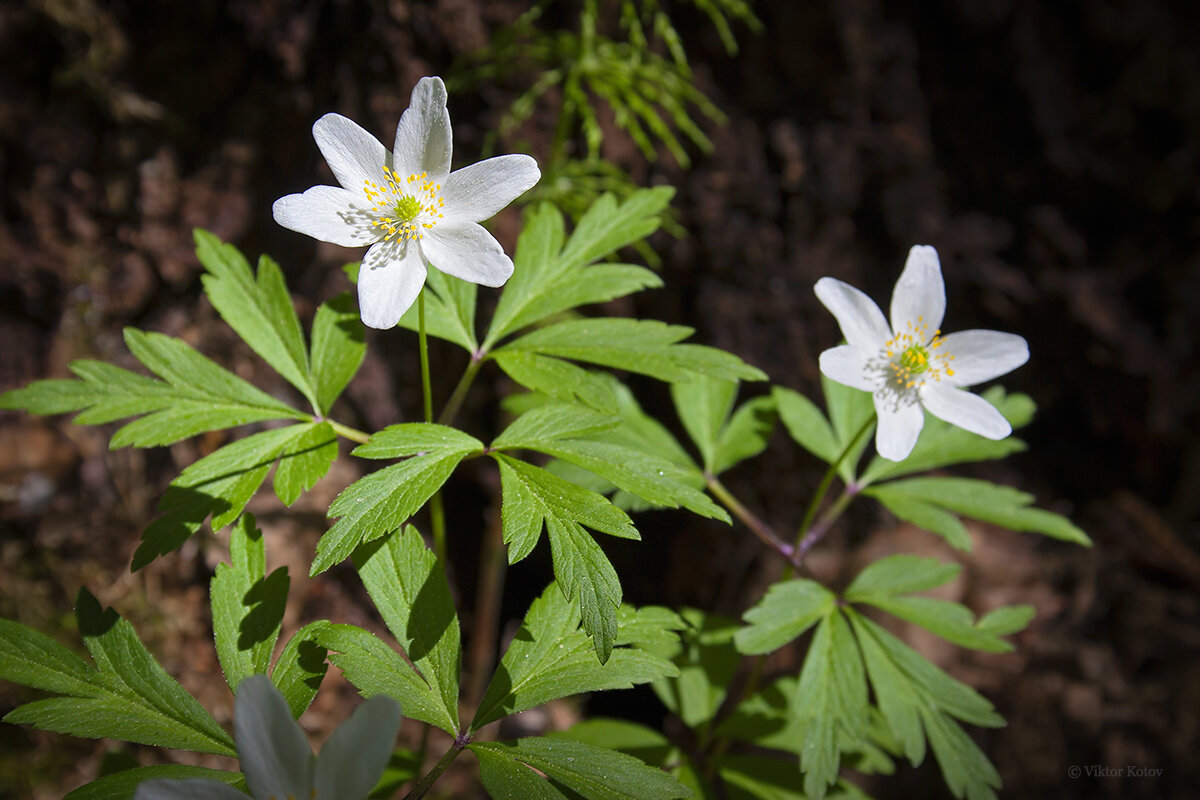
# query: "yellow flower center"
{"type": "Point", "coordinates": [914, 356]}
{"type": "Point", "coordinates": [404, 208]}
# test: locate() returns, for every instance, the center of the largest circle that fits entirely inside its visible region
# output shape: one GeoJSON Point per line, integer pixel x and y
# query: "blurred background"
{"type": "Point", "coordinates": [1049, 151]}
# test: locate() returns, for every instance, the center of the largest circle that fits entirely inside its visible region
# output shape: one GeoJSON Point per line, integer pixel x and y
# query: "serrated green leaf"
{"type": "Point", "coordinates": [900, 574]}
{"type": "Point", "coordinates": [407, 585]}
{"type": "Point", "coordinates": [594, 773]}
{"type": "Point", "coordinates": [849, 411]}
{"type": "Point", "coordinates": [508, 778]}
{"type": "Point", "coordinates": [806, 424]}
{"type": "Point", "coordinates": [923, 515]}
{"type": "Point", "coordinates": [304, 462]}
{"type": "Point", "coordinates": [338, 348]}
{"type": "Point", "coordinates": [382, 501]}
{"type": "Point", "coordinates": [585, 575]}
{"type": "Point", "coordinates": [373, 667]}
{"type": "Point", "coordinates": [831, 699]}
{"type": "Point", "coordinates": [707, 661]}
{"type": "Point", "coordinates": [942, 444]}
{"type": "Point", "coordinates": [123, 785]}
{"type": "Point", "coordinates": [301, 667]}
{"type": "Point", "coordinates": [259, 310]}
{"type": "Point", "coordinates": [746, 435]}
{"type": "Point", "coordinates": [786, 611]}
{"type": "Point", "coordinates": [126, 696]}
{"type": "Point", "coordinates": [646, 347]}
{"type": "Point", "coordinates": [556, 378]}
{"type": "Point", "coordinates": [247, 606]}
{"type": "Point", "coordinates": [218, 485]}
{"type": "Point", "coordinates": [624, 736]}
{"type": "Point", "coordinates": [30, 658]}
{"type": "Point", "coordinates": [989, 502]}
{"type": "Point", "coordinates": [449, 310]}
{"type": "Point", "coordinates": [703, 406]}
{"type": "Point", "coordinates": [545, 425]}
{"type": "Point", "coordinates": [550, 657]}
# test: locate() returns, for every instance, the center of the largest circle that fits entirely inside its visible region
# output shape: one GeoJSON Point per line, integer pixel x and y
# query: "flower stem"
{"type": "Point", "coordinates": [460, 391]}
{"type": "Point", "coordinates": [437, 515]}
{"type": "Point", "coordinates": [347, 432]}
{"type": "Point", "coordinates": [425, 784]}
{"type": "Point", "coordinates": [802, 533]}
{"type": "Point", "coordinates": [760, 529]}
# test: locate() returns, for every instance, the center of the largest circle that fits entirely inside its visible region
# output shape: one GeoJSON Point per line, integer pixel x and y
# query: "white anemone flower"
{"type": "Point", "coordinates": [910, 365]}
{"type": "Point", "coordinates": [407, 205]}
{"type": "Point", "coordinates": [278, 763]}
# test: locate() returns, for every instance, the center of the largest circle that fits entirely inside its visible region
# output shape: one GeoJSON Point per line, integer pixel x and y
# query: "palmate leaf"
{"type": "Point", "coordinates": [550, 657]}
{"type": "Point", "coordinates": [549, 277]}
{"type": "Point", "coordinates": [193, 396]}
{"type": "Point", "coordinates": [412, 594]}
{"type": "Point", "coordinates": [556, 378]}
{"type": "Point", "coordinates": [247, 606]}
{"type": "Point", "coordinates": [587, 771]}
{"type": "Point", "coordinates": [123, 785]}
{"type": "Point", "coordinates": [220, 484]}
{"type": "Point", "coordinates": [786, 611]}
{"type": "Point", "coordinates": [382, 501]}
{"type": "Point", "coordinates": [704, 406]}
{"type": "Point", "coordinates": [932, 502]}
{"type": "Point", "coordinates": [126, 696]}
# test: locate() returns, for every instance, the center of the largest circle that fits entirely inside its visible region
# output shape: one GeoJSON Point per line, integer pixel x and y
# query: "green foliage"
{"type": "Point", "coordinates": [584, 770]}
{"type": "Point", "coordinates": [126, 695]}
{"type": "Point", "coordinates": [220, 484]}
{"type": "Point", "coordinates": [338, 348]}
{"type": "Point", "coordinates": [705, 405]}
{"type": "Point", "coordinates": [550, 657]}
{"type": "Point", "coordinates": [301, 667]}
{"type": "Point", "coordinates": [410, 590]}
{"type": "Point", "coordinates": [449, 310]}
{"type": "Point", "coordinates": [787, 611]}
{"type": "Point", "coordinates": [382, 501]}
{"type": "Point", "coordinates": [123, 785]}
{"type": "Point", "coordinates": [247, 606]}
{"type": "Point", "coordinates": [706, 659]}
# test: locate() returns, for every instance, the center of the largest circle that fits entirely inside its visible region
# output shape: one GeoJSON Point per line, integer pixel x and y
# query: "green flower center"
{"type": "Point", "coordinates": [407, 208]}
{"type": "Point", "coordinates": [915, 359]}
{"type": "Point", "coordinates": [404, 208]}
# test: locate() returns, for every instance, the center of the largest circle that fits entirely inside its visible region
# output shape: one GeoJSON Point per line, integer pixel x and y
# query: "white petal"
{"type": "Point", "coordinates": [465, 250]}
{"type": "Point", "coordinates": [848, 364]}
{"type": "Point", "coordinates": [477, 192]}
{"type": "Point", "coordinates": [274, 752]}
{"type": "Point", "coordinates": [353, 154]}
{"type": "Point", "coordinates": [982, 355]}
{"type": "Point", "coordinates": [899, 427]}
{"type": "Point", "coordinates": [861, 321]}
{"type": "Point", "coordinates": [968, 411]}
{"type": "Point", "coordinates": [327, 213]}
{"type": "Point", "coordinates": [423, 140]}
{"type": "Point", "coordinates": [189, 789]}
{"type": "Point", "coordinates": [920, 294]}
{"type": "Point", "coordinates": [389, 280]}
{"type": "Point", "coordinates": [356, 753]}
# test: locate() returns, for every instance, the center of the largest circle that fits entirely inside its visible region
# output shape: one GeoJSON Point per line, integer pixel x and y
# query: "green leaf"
{"type": "Point", "coordinates": [914, 694]}
{"type": "Point", "coordinates": [786, 611]}
{"type": "Point", "coordinates": [301, 667]}
{"type": "Point", "coordinates": [373, 667]}
{"type": "Point", "coordinates": [123, 785]}
{"type": "Point", "coordinates": [1006, 620]}
{"type": "Point", "coordinates": [900, 574]}
{"type": "Point", "coordinates": [831, 699]}
{"type": "Point", "coordinates": [806, 424]}
{"type": "Point", "coordinates": [624, 736]}
{"type": "Point", "coordinates": [549, 278]}
{"type": "Point", "coordinates": [647, 347]}
{"type": "Point", "coordinates": [261, 310]}
{"type": "Point", "coordinates": [410, 589]}
{"type": "Point", "coordinates": [382, 501]}
{"type": "Point", "coordinates": [544, 426]}
{"type": "Point", "coordinates": [704, 405]}
{"type": "Point", "coordinates": [559, 379]}
{"type": "Point", "coordinates": [746, 435]}
{"type": "Point", "coordinates": [126, 696]}
{"type": "Point", "coordinates": [593, 773]}
{"type": "Point", "coordinates": [220, 485]}
{"type": "Point", "coordinates": [449, 310]}
{"type": "Point", "coordinates": [304, 462]}
{"type": "Point", "coordinates": [404, 766]}
{"type": "Point", "coordinates": [987, 502]}
{"type": "Point", "coordinates": [849, 411]}
{"type": "Point", "coordinates": [942, 444]}
{"type": "Point", "coordinates": [707, 661]}
{"type": "Point", "coordinates": [194, 396]}
{"type": "Point", "coordinates": [550, 657]}
{"type": "Point", "coordinates": [585, 574]}
{"type": "Point", "coordinates": [923, 515]}
{"type": "Point", "coordinates": [338, 348]}
{"type": "Point", "coordinates": [247, 606]}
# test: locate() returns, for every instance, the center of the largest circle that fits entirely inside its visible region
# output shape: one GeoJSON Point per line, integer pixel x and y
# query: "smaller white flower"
{"type": "Point", "coordinates": [910, 364]}
{"type": "Point", "coordinates": [407, 205]}
{"type": "Point", "coordinates": [278, 763]}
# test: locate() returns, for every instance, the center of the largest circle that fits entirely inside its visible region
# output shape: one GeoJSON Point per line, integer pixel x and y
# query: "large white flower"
{"type": "Point", "coordinates": [277, 761]}
{"type": "Point", "coordinates": [407, 205]}
{"type": "Point", "coordinates": [910, 364]}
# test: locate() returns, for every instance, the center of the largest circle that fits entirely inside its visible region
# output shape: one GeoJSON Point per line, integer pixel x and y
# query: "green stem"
{"type": "Point", "coordinates": [460, 391]}
{"type": "Point", "coordinates": [760, 529]}
{"type": "Point", "coordinates": [830, 474]}
{"type": "Point", "coordinates": [437, 515]}
{"type": "Point", "coordinates": [347, 432]}
{"type": "Point", "coordinates": [425, 784]}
